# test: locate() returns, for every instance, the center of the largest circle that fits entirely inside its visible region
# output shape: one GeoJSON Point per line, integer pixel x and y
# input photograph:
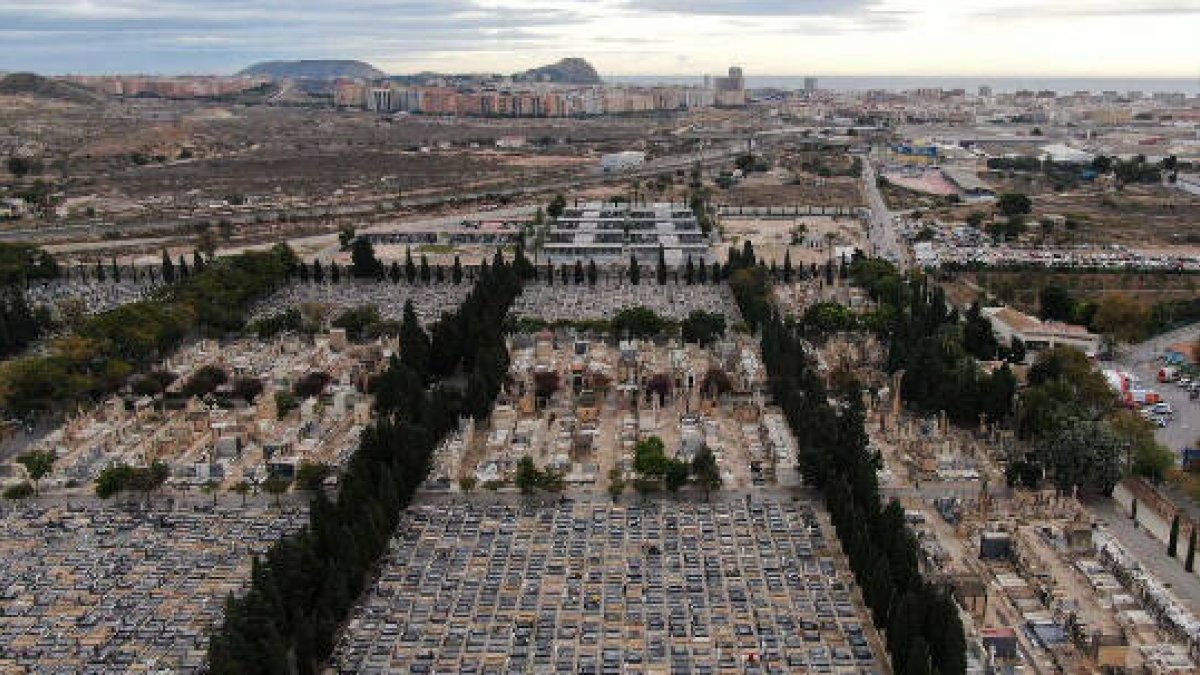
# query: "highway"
{"type": "Point", "coordinates": [881, 233]}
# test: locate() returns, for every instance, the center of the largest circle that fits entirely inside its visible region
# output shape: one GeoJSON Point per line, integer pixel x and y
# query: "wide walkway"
{"type": "Point", "coordinates": [1151, 552]}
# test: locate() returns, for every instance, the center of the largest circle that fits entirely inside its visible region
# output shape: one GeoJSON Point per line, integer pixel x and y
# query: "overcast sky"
{"type": "Point", "coordinates": [1129, 38]}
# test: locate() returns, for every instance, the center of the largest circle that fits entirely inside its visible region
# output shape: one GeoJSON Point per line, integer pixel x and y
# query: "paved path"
{"type": "Point", "coordinates": [1150, 552]}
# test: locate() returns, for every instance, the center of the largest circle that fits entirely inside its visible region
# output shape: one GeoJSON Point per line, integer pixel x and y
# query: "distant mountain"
{"type": "Point", "coordinates": [42, 87]}
{"type": "Point", "coordinates": [566, 71]}
{"type": "Point", "coordinates": [315, 69]}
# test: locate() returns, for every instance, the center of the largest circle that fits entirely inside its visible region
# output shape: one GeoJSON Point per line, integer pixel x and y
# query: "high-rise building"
{"type": "Point", "coordinates": [985, 91]}
{"type": "Point", "coordinates": [810, 84]}
{"type": "Point", "coordinates": [736, 81]}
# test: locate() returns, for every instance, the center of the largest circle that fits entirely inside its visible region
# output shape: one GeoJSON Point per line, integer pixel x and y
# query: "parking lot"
{"type": "Point", "coordinates": [592, 587]}
{"type": "Point", "coordinates": [97, 589]}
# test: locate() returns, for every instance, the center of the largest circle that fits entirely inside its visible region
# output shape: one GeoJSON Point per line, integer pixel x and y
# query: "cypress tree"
{"type": "Point", "coordinates": [1173, 540]}
{"type": "Point", "coordinates": [593, 274]}
{"type": "Point", "coordinates": [1189, 563]}
{"type": "Point", "coordinates": [456, 273]}
{"type": "Point", "coordinates": [410, 268]}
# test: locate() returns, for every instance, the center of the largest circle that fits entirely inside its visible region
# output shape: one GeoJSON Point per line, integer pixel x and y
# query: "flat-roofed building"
{"type": "Point", "coordinates": [1037, 334]}
{"type": "Point", "coordinates": [607, 231]}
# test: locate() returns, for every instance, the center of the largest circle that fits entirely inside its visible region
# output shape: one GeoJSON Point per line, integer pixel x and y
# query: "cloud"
{"type": "Point", "coordinates": [1004, 9]}
{"type": "Point", "coordinates": [103, 35]}
{"type": "Point", "coordinates": [752, 7]}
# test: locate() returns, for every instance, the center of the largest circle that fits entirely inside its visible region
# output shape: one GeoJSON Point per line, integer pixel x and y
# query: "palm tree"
{"type": "Point", "coordinates": [210, 488]}
{"type": "Point", "coordinates": [242, 487]}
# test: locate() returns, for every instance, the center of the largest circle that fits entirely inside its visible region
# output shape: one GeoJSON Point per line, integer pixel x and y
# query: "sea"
{"type": "Point", "coordinates": [999, 85]}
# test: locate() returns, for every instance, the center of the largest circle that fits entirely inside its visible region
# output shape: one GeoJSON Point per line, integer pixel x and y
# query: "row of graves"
{"type": "Point", "coordinates": [587, 586]}
{"type": "Point", "coordinates": [95, 588]}
{"type": "Point", "coordinates": [671, 301]}
{"type": "Point", "coordinates": [430, 301]}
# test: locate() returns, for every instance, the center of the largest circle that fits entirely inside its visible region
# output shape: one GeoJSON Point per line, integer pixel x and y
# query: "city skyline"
{"type": "Point", "coordinates": [979, 38]}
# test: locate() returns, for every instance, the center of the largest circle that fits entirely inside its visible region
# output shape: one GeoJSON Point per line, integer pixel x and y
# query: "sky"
{"type": "Point", "coordinates": [1078, 38]}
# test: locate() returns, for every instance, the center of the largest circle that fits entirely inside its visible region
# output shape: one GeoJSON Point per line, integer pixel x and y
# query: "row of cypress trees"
{"type": "Point", "coordinates": [304, 588]}
{"type": "Point", "coordinates": [920, 620]}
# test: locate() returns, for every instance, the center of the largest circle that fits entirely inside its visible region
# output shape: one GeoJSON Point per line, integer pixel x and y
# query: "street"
{"type": "Point", "coordinates": [881, 229]}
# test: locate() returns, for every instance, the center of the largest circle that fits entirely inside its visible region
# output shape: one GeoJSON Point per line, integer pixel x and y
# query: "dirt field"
{"type": "Point", "coordinates": [781, 189]}
{"type": "Point", "coordinates": [1135, 216]}
{"type": "Point", "coordinates": [1022, 288]}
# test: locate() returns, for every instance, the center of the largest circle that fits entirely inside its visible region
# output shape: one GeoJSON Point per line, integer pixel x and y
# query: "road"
{"type": "Point", "coordinates": [881, 230]}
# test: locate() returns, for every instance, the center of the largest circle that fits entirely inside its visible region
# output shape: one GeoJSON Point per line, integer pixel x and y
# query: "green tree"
{"type": "Point", "coordinates": [310, 476]}
{"type": "Point", "coordinates": [1056, 303]}
{"type": "Point", "coordinates": [706, 471]}
{"type": "Point", "coordinates": [1173, 539]}
{"type": "Point", "coordinates": [242, 488]}
{"type": "Point", "coordinates": [592, 273]}
{"type": "Point", "coordinates": [425, 272]}
{"type": "Point", "coordinates": [616, 484]}
{"type": "Point", "coordinates": [1190, 562]}
{"type": "Point", "coordinates": [285, 402]}
{"type": "Point", "coordinates": [637, 322]}
{"type": "Point", "coordinates": [649, 458]}
{"type": "Point", "coordinates": [1084, 454]}
{"type": "Point", "coordinates": [528, 476]}
{"type": "Point", "coordinates": [168, 268]}
{"type": "Point", "coordinates": [410, 268]}
{"type": "Point", "coordinates": [1014, 204]}
{"type": "Point", "coordinates": [38, 464]}
{"type": "Point", "coordinates": [414, 342]}
{"type": "Point", "coordinates": [22, 490]}
{"type": "Point", "coordinates": [661, 268]}
{"type": "Point", "coordinates": [467, 484]}
{"type": "Point", "coordinates": [635, 271]}
{"type": "Point", "coordinates": [276, 485]}
{"type": "Point", "coordinates": [363, 263]}
{"type": "Point", "coordinates": [676, 475]}
{"type": "Point", "coordinates": [346, 238]}
{"type": "Point", "coordinates": [211, 487]}
{"type": "Point", "coordinates": [702, 327]}
{"type": "Point", "coordinates": [456, 274]}
{"type": "Point", "coordinates": [557, 205]}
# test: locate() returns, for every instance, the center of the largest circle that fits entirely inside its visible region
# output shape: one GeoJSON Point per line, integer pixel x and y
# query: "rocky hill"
{"type": "Point", "coordinates": [566, 71]}
{"type": "Point", "coordinates": [315, 69]}
{"type": "Point", "coordinates": [29, 84]}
